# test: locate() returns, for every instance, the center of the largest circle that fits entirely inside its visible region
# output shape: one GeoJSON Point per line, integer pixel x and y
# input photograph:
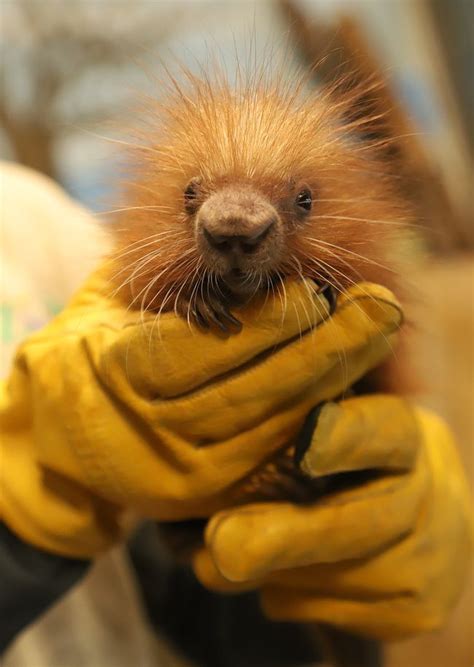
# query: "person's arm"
{"type": "Point", "coordinates": [30, 581]}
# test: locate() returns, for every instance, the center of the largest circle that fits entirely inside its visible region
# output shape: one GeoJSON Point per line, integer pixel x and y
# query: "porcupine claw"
{"type": "Point", "coordinates": [223, 315]}
{"type": "Point", "coordinates": [209, 313]}
{"type": "Point", "coordinates": [329, 294]}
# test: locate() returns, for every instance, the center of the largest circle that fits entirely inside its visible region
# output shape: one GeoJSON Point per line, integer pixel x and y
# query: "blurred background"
{"type": "Point", "coordinates": [71, 71]}
{"type": "Point", "coordinates": [70, 66]}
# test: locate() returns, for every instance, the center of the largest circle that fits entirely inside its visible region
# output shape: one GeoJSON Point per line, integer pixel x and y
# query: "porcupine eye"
{"type": "Point", "coordinates": [191, 195]}
{"type": "Point", "coordinates": [304, 200]}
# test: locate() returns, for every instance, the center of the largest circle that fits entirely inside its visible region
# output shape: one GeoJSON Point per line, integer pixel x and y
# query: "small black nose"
{"type": "Point", "coordinates": [239, 243]}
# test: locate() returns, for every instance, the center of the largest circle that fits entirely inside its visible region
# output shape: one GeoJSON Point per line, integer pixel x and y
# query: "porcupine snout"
{"type": "Point", "coordinates": [235, 244]}
{"type": "Point", "coordinates": [239, 234]}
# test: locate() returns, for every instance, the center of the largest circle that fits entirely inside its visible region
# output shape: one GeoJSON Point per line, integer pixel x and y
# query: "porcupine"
{"type": "Point", "coordinates": [238, 187]}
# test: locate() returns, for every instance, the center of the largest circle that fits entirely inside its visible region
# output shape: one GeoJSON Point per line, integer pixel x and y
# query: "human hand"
{"type": "Point", "coordinates": [386, 557]}
{"type": "Point", "coordinates": [106, 412]}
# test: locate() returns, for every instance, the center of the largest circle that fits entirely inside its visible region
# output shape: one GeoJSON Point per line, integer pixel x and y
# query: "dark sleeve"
{"type": "Point", "coordinates": [30, 581]}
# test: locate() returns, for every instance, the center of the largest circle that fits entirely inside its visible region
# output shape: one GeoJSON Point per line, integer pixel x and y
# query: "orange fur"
{"type": "Point", "coordinates": [266, 133]}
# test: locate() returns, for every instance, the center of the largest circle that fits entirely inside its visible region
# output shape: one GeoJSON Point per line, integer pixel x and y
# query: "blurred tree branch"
{"type": "Point", "coordinates": [49, 51]}
{"type": "Point", "coordinates": [341, 52]}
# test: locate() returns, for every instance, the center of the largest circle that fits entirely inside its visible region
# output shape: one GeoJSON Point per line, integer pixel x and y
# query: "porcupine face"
{"type": "Point", "coordinates": [237, 189]}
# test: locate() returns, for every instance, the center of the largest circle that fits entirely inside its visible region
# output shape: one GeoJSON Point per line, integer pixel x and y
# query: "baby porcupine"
{"type": "Point", "coordinates": [238, 187]}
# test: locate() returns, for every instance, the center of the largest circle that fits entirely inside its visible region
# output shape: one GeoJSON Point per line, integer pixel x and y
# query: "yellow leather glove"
{"type": "Point", "coordinates": [386, 557]}
{"type": "Point", "coordinates": [103, 413]}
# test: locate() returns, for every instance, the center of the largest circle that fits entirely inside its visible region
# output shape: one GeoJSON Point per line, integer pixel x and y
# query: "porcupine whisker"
{"type": "Point", "coordinates": [191, 299]}
{"type": "Point", "coordinates": [212, 285]}
{"type": "Point", "coordinates": [208, 286]}
{"type": "Point", "coordinates": [141, 239]}
{"type": "Point", "coordinates": [326, 267]}
{"type": "Point", "coordinates": [201, 288]}
{"type": "Point", "coordinates": [163, 232]}
{"type": "Point", "coordinates": [129, 280]}
{"type": "Point", "coordinates": [175, 301]}
{"type": "Point", "coordinates": [183, 263]}
{"type": "Point", "coordinates": [143, 310]}
{"type": "Point", "coordinates": [156, 278]}
{"type": "Point", "coordinates": [276, 291]}
{"type": "Point", "coordinates": [298, 268]}
{"type": "Point", "coordinates": [267, 285]}
{"type": "Point", "coordinates": [139, 245]}
{"type": "Point", "coordinates": [198, 287]}
{"type": "Point", "coordinates": [343, 261]}
{"type": "Point", "coordinates": [341, 352]}
{"type": "Point", "coordinates": [148, 287]}
{"type": "Point", "coordinates": [136, 266]}
{"type": "Point", "coordinates": [156, 253]}
{"type": "Point", "coordinates": [340, 259]}
{"type": "Point", "coordinates": [300, 328]}
{"type": "Point", "coordinates": [124, 209]}
{"type": "Point", "coordinates": [370, 296]}
{"type": "Point", "coordinates": [249, 279]}
{"type": "Point", "coordinates": [157, 317]}
{"type": "Point", "coordinates": [400, 223]}
{"type": "Point", "coordinates": [169, 294]}
{"type": "Point", "coordinates": [217, 284]}
{"type": "Point", "coordinates": [205, 282]}
{"type": "Point", "coordinates": [190, 280]}
{"type": "Point", "coordinates": [284, 303]}
{"type": "Point", "coordinates": [134, 262]}
{"type": "Point", "coordinates": [341, 288]}
{"type": "Point", "coordinates": [354, 302]}
{"type": "Point", "coordinates": [257, 281]}
{"type": "Point", "coordinates": [138, 248]}
{"type": "Point", "coordinates": [270, 285]}
{"type": "Point", "coordinates": [295, 267]}
{"type": "Point", "coordinates": [365, 259]}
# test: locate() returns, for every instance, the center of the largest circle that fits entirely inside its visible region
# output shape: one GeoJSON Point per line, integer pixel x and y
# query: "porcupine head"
{"type": "Point", "coordinates": [238, 186]}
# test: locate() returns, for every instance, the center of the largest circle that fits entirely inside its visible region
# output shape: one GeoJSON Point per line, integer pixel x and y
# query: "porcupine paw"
{"type": "Point", "coordinates": [209, 314]}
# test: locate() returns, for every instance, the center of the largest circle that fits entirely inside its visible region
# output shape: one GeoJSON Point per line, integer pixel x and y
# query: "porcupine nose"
{"type": "Point", "coordinates": [239, 243]}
